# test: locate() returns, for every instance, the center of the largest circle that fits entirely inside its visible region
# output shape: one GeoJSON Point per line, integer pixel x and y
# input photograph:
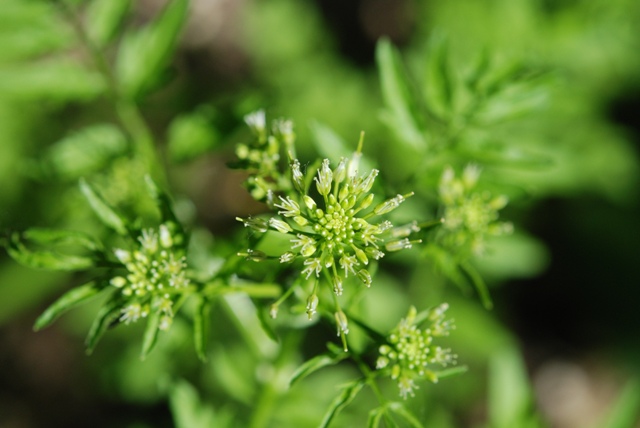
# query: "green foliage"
{"type": "Point", "coordinates": [146, 253]}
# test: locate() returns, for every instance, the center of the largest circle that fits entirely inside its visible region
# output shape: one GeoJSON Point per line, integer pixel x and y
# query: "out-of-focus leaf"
{"type": "Point", "coordinates": [328, 143]}
{"type": "Point", "coordinates": [513, 256]}
{"type": "Point", "coordinates": [189, 411]}
{"type": "Point", "coordinates": [43, 236]}
{"type": "Point", "coordinates": [201, 322]}
{"type": "Point", "coordinates": [56, 79]}
{"type": "Point", "coordinates": [151, 331]}
{"type": "Point", "coordinates": [439, 84]}
{"type": "Point", "coordinates": [509, 391]}
{"type": "Point", "coordinates": [68, 300]}
{"type": "Point", "coordinates": [375, 417]}
{"type": "Point", "coordinates": [446, 264]}
{"type": "Point", "coordinates": [143, 55]}
{"type": "Point", "coordinates": [505, 155]}
{"type": "Point", "coordinates": [30, 28]}
{"type": "Point", "coordinates": [478, 283]}
{"type": "Point", "coordinates": [263, 317]}
{"type": "Point", "coordinates": [452, 371]}
{"type": "Point", "coordinates": [315, 364]}
{"type": "Point", "coordinates": [401, 410]}
{"type": "Point", "coordinates": [191, 135]}
{"type": "Point", "coordinates": [346, 396]}
{"type": "Point", "coordinates": [104, 18]}
{"type": "Point", "coordinates": [102, 209]}
{"type": "Point", "coordinates": [626, 410]}
{"type": "Point", "coordinates": [108, 314]}
{"type": "Point", "coordinates": [86, 151]}
{"type": "Point", "coordinates": [45, 259]}
{"type": "Point", "coordinates": [165, 205]}
{"type": "Point", "coordinates": [397, 97]}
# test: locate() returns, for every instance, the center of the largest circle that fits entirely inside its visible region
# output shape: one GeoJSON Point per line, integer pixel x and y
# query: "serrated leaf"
{"type": "Point", "coordinates": [86, 151]}
{"type": "Point", "coordinates": [68, 300]}
{"type": "Point", "coordinates": [397, 96]}
{"type": "Point", "coordinates": [109, 313]}
{"type": "Point", "coordinates": [53, 79]}
{"type": "Point", "coordinates": [143, 55]}
{"type": "Point", "coordinates": [191, 135]}
{"type": "Point", "coordinates": [45, 259]}
{"type": "Point", "coordinates": [104, 18]}
{"type": "Point", "coordinates": [151, 331]}
{"type": "Point", "coordinates": [43, 236]}
{"type": "Point", "coordinates": [108, 216]}
{"type": "Point", "coordinates": [346, 396]}
{"type": "Point", "coordinates": [316, 363]}
{"type": "Point", "coordinates": [201, 322]}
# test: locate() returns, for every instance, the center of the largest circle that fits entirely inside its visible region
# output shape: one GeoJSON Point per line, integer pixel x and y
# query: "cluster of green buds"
{"type": "Point", "coordinates": [262, 155]}
{"type": "Point", "coordinates": [337, 231]}
{"type": "Point", "coordinates": [410, 354]}
{"type": "Point", "coordinates": [155, 276]}
{"type": "Point", "coordinates": [469, 216]}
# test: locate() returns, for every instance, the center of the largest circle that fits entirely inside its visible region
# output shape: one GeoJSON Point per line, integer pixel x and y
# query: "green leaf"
{"type": "Point", "coordinates": [45, 259]}
{"type": "Point", "coordinates": [108, 314]}
{"type": "Point", "coordinates": [53, 79]}
{"type": "Point", "coordinates": [329, 144]}
{"type": "Point", "coordinates": [104, 18]}
{"type": "Point", "coordinates": [68, 300]}
{"type": "Point", "coordinates": [626, 410]}
{"type": "Point", "coordinates": [164, 204]}
{"type": "Point", "coordinates": [201, 322]}
{"type": "Point", "coordinates": [189, 411]}
{"type": "Point", "coordinates": [151, 331]}
{"type": "Point", "coordinates": [191, 135]}
{"type": "Point", "coordinates": [438, 85]}
{"type": "Point", "coordinates": [315, 364]}
{"type": "Point", "coordinates": [108, 216]}
{"type": "Point", "coordinates": [479, 284]}
{"type": "Point", "coordinates": [263, 317]}
{"type": "Point", "coordinates": [509, 390]}
{"type": "Point", "coordinates": [446, 264]}
{"type": "Point", "coordinates": [375, 417]}
{"type": "Point", "coordinates": [450, 372]}
{"type": "Point", "coordinates": [43, 236]}
{"type": "Point", "coordinates": [143, 55]}
{"type": "Point", "coordinates": [346, 396]}
{"type": "Point", "coordinates": [397, 97]}
{"type": "Point", "coordinates": [400, 410]}
{"type": "Point", "coordinates": [86, 151]}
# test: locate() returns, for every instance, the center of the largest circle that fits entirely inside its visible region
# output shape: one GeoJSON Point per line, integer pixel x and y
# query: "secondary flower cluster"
{"type": "Point", "coordinates": [334, 231]}
{"type": "Point", "coordinates": [469, 216]}
{"type": "Point", "coordinates": [410, 353]}
{"type": "Point", "coordinates": [262, 155]}
{"type": "Point", "coordinates": [156, 273]}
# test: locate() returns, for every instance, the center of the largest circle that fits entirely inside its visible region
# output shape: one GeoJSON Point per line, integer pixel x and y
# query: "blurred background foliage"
{"type": "Point", "coordinates": [543, 95]}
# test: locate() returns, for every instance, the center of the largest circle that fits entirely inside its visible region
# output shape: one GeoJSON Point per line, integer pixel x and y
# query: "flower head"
{"type": "Point", "coordinates": [410, 354]}
{"type": "Point", "coordinates": [156, 271]}
{"type": "Point", "coordinates": [469, 216]}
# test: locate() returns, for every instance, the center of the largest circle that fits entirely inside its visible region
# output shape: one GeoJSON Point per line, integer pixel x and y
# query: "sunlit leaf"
{"type": "Point", "coordinates": [201, 322]}
{"type": "Point", "coordinates": [46, 259]}
{"type": "Point", "coordinates": [348, 393]}
{"type": "Point", "coordinates": [108, 216]}
{"type": "Point", "coordinates": [151, 331]}
{"type": "Point", "coordinates": [315, 364]}
{"type": "Point", "coordinates": [68, 300]}
{"type": "Point", "coordinates": [108, 314]}
{"type": "Point", "coordinates": [104, 18]}
{"type": "Point", "coordinates": [191, 135]}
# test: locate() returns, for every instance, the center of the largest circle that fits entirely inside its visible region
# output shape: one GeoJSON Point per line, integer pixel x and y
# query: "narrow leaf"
{"type": "Point", "coordinates": [43, 236]}
{"type": "Point", "coordinates": [450, 372]}
{"type": "Point", "coordinates": [201, 322]}
{"type": "Point", "coordinates": [479, 284]}
{"type": "Point", "coordinates": [102, 209]}
{"type": "Point", "coordinates": [375, 417]}
{"type": "Point", "coordinates": [263, 317]}
{"type": "Point", "coordinates": [626, 410]}
{"type": "Point", "coordinates": [163, 202]}
{"type": "Point", "coordinates": [104, 18]}
{"type": "Point", "coordinates": [144, 54]}
{"type": "Point", "coordinates": [315, 364]}
{"type": "Point", "coordinates": [438, 80]}
{"type": "Point", "coordinates": [45, 259]}
{"type": "Point", "coordinates": [400, 410]}
{"type": "Point", "coordinates": [68, 300]}
{"type": "Point", "coordinates": [107, 315]}
{"type": "Point", "coordinates": [397, 96]}
{"type": "Point", "coordinates": [347, 395]}
{"type": "Point", "coordinates": [151, 331]}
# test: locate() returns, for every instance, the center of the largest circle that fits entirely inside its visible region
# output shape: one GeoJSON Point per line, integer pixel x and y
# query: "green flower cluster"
{"type": "Point", "coordinates": [335, 232]}
{"type": "Point", "coordinates": [156, 274]}
{"type": "Point", "coordinates": [410, 353]}
{"type": "Point", "coordinates": [469, 216]}
{"type": "Point", "coordinates": [262, 155]}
